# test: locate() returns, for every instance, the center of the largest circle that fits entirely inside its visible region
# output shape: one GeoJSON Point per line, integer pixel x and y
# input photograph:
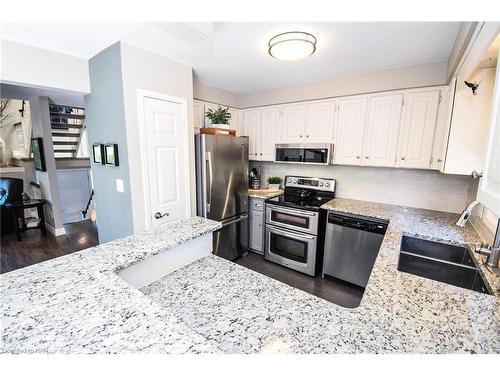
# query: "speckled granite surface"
{"type": "Point", "coordinates": [399, 312]}
{"type": "Point", "coordinates": [264, 193]}
{"type": "Point", "coordinates": [77, 303]}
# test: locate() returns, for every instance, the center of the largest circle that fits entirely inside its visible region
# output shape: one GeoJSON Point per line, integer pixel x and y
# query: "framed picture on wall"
{"type": "Point", "coordinates": [98, 153]}
{"type": "Point", "coordinates": [38, 156]}
{"type": "Point", "coordinates": [111, 154]}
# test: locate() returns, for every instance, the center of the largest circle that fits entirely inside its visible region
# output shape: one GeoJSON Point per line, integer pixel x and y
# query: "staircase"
{"type": "Point", "coordinates": [68, 124]}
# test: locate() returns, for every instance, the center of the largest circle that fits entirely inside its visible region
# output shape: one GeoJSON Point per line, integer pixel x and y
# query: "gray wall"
{"type": "Point", "coordinates": [105, 120]}
{"type": "Point", "coordinates": [145, 70]}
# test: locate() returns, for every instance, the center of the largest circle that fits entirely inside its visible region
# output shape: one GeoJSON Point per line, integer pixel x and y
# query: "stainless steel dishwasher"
{"type": "Point", "coordinates": [351, 246]}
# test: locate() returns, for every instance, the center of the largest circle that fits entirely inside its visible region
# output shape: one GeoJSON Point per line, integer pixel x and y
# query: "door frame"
{"type": "Point", "coordinates": [141, 95]}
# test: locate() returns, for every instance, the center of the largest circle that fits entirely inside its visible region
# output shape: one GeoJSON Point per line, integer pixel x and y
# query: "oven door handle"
{"type": "Point", "coordinates": [290, 234]}
{"type": "Point", "coordinates": [289, 211]}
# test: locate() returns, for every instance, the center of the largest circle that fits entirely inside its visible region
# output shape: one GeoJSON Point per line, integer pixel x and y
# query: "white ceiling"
{"type": "Point", "coordinates": [233, 56]}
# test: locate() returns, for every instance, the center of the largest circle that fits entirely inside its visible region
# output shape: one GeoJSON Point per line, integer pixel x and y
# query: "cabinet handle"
{"type": "Point", "coordinates": [367, 157]}
{"type": "Point", "coordinates": [439, 160]}
{"type": "Point", "coordinates": [261, 154]}
{"type": "Point", "coordinates": [307, 136]}
{"type": "Point", "coordinates": [402, 157]}
{"type": "Point", "coordinates": [300, 136]}
{"type": "Point", "coordinates": [357, 156]}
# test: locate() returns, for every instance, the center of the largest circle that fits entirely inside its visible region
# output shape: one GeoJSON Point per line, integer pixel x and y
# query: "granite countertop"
{"type": "Point", "coordinates": [77, 303]}
{"type": "Point", "coordinates": [264, 193]}
{"type": "Point", "coordinates": [399, 312]}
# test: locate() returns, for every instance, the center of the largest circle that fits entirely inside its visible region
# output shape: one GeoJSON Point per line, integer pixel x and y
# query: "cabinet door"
{"type": "Point", "coordinates": [257, 231]}
{"type": "Point", "coordinates": [199, 114]}
{"type": "Point", "coordinates": [233, 122]}
{"type": "Point", "coordinates": [351, 119]}
{"type": "Point", "coordinates": [252, 125]}
{"type": "Point", "coordinates": [270, 128]}
{"type": "Point", "coordinates": [320, 121]}
{"type": "Point", "coordinates": [417, 129]}
{"type": "Point", "coordinates": [489, 189]}
{"type": "Point", "coordinates": [381, 139]}
{"type": "Point", "coordinates": [294, 120]}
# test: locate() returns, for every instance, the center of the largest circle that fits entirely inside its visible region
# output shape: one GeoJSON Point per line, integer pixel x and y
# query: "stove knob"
{"type": "Point", "coordinates": [294, 180]}
{"type": "Point", "coordinates": [320, 184]}
{"type": "Point", "coordinates": [327, 184]}
{"type": "Point", "coordinates": [289, 180]}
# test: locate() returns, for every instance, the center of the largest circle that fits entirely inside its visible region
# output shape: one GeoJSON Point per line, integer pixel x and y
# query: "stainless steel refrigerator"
{"type": "Point", "coordinates": [222, 190]}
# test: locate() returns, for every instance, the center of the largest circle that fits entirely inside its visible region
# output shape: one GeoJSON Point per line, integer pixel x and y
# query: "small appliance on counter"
{"type": "Point", "coordinates": [254, 179]}
{"type": "Point", "coordinates": [292, 235]}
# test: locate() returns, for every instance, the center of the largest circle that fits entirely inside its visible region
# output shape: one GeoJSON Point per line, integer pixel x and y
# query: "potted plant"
{"type": "Point", "coordinates": [219, 117]}
{"type": "Point", "coordinates": [274, 183]}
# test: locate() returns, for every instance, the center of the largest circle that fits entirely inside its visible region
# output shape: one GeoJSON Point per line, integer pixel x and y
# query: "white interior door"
{"type": "Point", "coordinates": [165, 130]}
{"type": "Point", "coordinates": [351, 119]}
{"type": "Point", "coordinates": [381, 140]}
{"type": "Point", "coordinates": [417, 129]}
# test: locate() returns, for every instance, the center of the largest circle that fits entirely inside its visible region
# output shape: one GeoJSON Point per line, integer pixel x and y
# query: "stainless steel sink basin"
{"type": "Point", "coordinates": [438, 261]}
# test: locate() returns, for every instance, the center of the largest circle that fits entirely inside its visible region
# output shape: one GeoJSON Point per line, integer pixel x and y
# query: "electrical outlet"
{"type": "Point", "coordinates": [119, 186]}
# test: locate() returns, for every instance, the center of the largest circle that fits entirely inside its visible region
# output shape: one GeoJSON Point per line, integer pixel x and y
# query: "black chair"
{"type": "Point", "coordinates": [11, 190]}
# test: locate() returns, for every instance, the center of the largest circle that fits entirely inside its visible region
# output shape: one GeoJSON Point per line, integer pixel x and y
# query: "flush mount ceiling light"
{"type": "Point", "coordinates": [293, 45]}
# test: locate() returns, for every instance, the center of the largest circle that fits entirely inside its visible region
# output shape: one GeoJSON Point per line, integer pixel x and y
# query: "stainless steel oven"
{"type": "Point", "coordinates": [290, 218]}
{"type": "Point", "coordinates": [291, 249]}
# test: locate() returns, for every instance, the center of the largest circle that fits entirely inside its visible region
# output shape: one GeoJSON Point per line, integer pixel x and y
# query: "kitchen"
{"type": "Point", "coordinates": [315, 221]}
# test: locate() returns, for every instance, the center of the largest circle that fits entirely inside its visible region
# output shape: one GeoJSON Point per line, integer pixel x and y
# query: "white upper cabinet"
{"type": "Point", "coordinates": [320, 121]}
{"type": "Point", "coordinates": [381, 132]}
{"type": "Point", "coordinates": [199, 114]}
{"type": "Point", "coordinates": [270, 132]}
{"type": "Point", "coordinates": [417, 129]}
{"type": "Point", "coordinates": [489, 189]}
{"type": "Point", "coordinates": [350, 124]}
{"type": "Point", "coordinates": [294, 119]}
{"type": "Point", "coordinates": [251, 120]}
{"type": "Point", "coordinates": [234, 121]}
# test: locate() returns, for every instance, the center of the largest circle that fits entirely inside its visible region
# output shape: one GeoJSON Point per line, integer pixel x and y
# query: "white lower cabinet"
{"type": "Point", "coordinates": [381, 132]}
{"type": "Point", "coordinates": [417, 129]}
{"type": "Point", "coordinates": [256, 225]}
{"type": "Point", "coordinates": [350, 122]}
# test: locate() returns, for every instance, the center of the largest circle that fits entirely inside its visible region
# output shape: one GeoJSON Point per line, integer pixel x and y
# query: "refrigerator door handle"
{"type": "Point", "coordinates": [232, 221]}
{"type": "Point", "coordinates": [210, 179]}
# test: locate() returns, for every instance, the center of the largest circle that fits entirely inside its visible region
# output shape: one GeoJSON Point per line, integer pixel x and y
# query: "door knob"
{"type": "Point", "coordinates": [159, 215]}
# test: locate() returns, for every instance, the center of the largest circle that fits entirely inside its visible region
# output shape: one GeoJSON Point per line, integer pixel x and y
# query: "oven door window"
{"type": "Point", "coordinates": [289, 248]}
{"type": "Point", "coordinates": [289, 219]}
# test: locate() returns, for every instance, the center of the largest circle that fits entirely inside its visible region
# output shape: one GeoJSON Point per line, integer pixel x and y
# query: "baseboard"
{"type": "Point", "coordinates": [56, 232]}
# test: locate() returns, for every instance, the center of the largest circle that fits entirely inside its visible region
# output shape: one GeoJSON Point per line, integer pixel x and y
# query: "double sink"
{"type": "Point", "coordinates": [443, 262]}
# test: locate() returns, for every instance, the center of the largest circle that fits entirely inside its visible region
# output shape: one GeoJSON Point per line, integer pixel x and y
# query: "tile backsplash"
{"type": "Point", "coordinates": [408, 187]}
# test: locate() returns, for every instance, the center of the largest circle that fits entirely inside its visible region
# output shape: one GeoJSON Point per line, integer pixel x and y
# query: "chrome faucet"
{"type": "Point", "coordinates": [492, 252]}
{"type": "Point", "coordinates": [464, 218]}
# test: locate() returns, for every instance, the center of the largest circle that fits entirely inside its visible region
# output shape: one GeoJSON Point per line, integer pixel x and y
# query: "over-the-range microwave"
{"type": "Point", "coordinates": [303, 153]}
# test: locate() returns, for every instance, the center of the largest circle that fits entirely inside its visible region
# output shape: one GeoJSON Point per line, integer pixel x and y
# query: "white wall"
{"type": "Point", "coordinates": [407, 187]}
{"type": "Point", "coordinates": [202, 91]}
{"type": "Point", "coordinates": [40, 121]}
{"type": "Point", "coordinates": [145, 70]}
{"type": "Point", "coordinates": [391, 79]}
{"type": "Point", "coordinates": [463, 38]}
{"type": "Point", "coordinates": [30, 66]}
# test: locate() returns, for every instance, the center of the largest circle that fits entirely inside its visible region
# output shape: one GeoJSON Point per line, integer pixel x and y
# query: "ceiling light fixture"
{"type": "Point", "coordinates": [293, 45]}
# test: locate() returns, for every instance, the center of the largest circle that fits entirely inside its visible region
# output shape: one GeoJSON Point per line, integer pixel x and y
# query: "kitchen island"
{"type": "Point", "coordinates": [78, 304]}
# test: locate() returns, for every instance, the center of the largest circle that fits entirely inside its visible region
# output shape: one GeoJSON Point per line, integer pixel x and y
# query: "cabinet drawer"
{"type": "Point", "coordinates": [257, 204]}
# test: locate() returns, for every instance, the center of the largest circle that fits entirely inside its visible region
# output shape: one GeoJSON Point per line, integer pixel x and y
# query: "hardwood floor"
{"type": "Point", "coordinates": [35, 248]}
{"type": "Point", "coordinates": [335, 291]}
